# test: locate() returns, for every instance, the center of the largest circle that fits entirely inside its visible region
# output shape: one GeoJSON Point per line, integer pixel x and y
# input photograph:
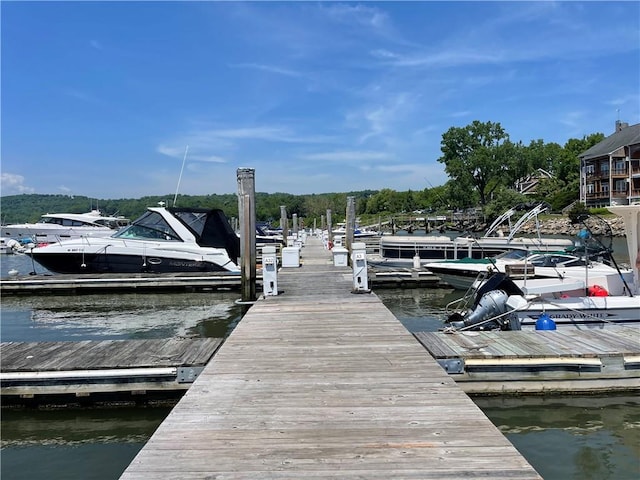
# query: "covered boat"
{"type": "Point", "coordinates": [162, 240]}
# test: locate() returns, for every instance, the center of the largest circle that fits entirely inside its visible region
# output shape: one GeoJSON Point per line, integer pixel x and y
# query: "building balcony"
{"type": "Point", "coordinates": [597, 195]}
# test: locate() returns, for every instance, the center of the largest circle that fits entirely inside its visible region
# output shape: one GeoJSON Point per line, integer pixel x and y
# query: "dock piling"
{"type": "Point", "coordinates": [247, 214]}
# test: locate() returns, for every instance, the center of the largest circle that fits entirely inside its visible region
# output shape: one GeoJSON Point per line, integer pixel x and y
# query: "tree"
{"type": "Point", "coordinates": [477, 155]}
{"type": "Point", "coordinates": [503, 201]}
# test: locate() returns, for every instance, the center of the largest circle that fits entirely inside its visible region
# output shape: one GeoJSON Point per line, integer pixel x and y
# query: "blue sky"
{"type": "Point", "coordinates": [102, 98]}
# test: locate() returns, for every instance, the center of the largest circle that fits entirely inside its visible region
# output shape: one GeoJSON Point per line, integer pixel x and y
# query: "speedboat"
{"type": "Point", "coordinates": [506, 304]}
{"type": "Point", "coordinates": [162, 240]}
{"type": "Point", "coordinates": [9, 245]}
{"type": "Point", "coordinates": [461, 274]}
{"type": "Point", "coordinates": [54, 227]}
{"type": "Point", "coordinates": [400, 250]}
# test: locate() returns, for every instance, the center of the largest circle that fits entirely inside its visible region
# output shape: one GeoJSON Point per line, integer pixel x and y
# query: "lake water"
{"type": "Point", "coordinates": [564, 437]}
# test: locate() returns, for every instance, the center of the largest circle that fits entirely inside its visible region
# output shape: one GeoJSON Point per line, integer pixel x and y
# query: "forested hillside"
{"type": "Point", "coordinates": [29, 207]}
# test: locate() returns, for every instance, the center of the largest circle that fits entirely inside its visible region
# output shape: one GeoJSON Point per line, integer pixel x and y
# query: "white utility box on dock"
{"type": "Point", "coordinates": [290, 257]}
{"type": "Point", "coordinates": [340, 255]}
{"type": "Point", "coordinates": [269, 270]}
{"type": "Point", "coordinates": [359, 263]}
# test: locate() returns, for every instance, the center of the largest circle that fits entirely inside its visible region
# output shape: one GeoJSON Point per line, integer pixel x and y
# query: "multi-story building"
{"type": "Point", "coordinates": [610, 170]}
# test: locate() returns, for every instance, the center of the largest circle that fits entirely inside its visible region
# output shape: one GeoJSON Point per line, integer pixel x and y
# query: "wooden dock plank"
{"type": "Point", "coordinates": [105, 354]}
{"type": "Point", "coordinates": [564, 360]}
{"type": "Point", "coordinates": [108, 371]}
{"type": "Point", "coordinates": [322, 383]}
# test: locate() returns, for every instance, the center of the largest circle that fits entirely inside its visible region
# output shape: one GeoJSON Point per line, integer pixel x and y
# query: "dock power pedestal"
{"type": "Point", "coordinates": [269, 271]}
{"type": "Point", "coordinates": [359, 263]}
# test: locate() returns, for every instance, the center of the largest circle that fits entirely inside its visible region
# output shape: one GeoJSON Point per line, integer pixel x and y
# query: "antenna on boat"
{"type": "Point", "coordinates": [180, 177]}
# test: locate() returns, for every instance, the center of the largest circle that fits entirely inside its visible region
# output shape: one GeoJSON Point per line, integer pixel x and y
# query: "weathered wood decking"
{"type": "Point", "coordinates": [116, 282]}
{"type": "Point", "coordinates": [322, 383]}
{"type": "Point", "coordinates": [99, 370]}
{"type": "Point", "coordinates": [565, 360]}
{"type": "Point", "coordinates": [70, 284]}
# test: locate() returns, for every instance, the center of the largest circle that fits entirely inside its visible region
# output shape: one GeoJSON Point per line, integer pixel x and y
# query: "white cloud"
{"type": "Point", "coordinates": [347, 156]}
{"type": "Point", "coordinates": [13, 184]}
{"type": "Point", "coordinates": [269, 68]}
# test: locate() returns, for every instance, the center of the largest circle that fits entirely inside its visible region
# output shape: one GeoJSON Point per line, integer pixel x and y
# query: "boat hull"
{"type": "Point", "coordinates": [51, 235]}
{"type": "Point", "coordinates": [82, 263]}
{"type": "Point", "coordinates": [584, 312]}
{"type": "Point", "coordinates": [439, 248]}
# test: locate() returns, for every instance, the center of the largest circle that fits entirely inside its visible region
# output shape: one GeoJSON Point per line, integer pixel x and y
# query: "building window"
{"type": "Point", "coordinates": [591, 169]}
{"type": "Point", "coordinates": [590, 188]}
{"type": "Point", "coordinates": [605, 187]}
{"type": "Point", "coordinates": [604, 168]}
{"type": "Point", "coordinates": [620, 186]}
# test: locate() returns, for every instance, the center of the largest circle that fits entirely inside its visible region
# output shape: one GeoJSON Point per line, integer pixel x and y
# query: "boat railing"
{"type": "Point", "coordinates": [463, 303]}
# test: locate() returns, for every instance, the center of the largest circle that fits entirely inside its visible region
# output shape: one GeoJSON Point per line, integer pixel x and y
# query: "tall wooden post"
{"type": "Point", "coordinates": [294, 221]}
{"type": "Point", "coordinates": [284, 224]}
{"type": "Point", "coordinates": [329, 226]}
{"type": "Point", "coordinates": [247, 217]}
{"type": "Point", "coordinates": [350, 221]}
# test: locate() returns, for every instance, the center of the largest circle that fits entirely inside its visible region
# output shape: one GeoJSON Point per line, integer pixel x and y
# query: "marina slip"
{"type": "Point", "coordinates": [320, 382]}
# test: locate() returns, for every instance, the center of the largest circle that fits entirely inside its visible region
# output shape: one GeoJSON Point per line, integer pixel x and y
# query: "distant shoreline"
{"type": "Point", "coordinates": [563, 226]}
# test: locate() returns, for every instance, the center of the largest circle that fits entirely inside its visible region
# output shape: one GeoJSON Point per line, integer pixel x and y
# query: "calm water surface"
{"type": "Point", "coordinates": [563, 438]}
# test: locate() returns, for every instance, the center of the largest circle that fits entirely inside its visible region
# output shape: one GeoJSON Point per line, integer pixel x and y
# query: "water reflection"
{"type": "Point", "coordinates": [123, 316]}
{"type": "Point", "coordinates": [577, 437]}
{"type": "Point", "coordinates": [61, 444]}
{"type": "Point", "coordinates": [78, 426]}
{"type": "Point", "coordinates": [419, 309]}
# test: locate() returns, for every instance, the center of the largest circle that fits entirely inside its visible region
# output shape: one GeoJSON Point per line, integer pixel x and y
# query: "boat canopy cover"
{"type": "Point", "coordinates": [210, 227]}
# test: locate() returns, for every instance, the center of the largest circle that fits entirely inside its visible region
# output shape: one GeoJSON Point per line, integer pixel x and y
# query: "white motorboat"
{"type": "Point", "coordinates": [461, 274]}
{"type": "Point", "coordinates": [9, 245]}
{"type": "Point", "coordinates": [400, 250]}
{"type": "Point", "coordinates": [358, 232]}
{"type": "Point", "coordinates": [162, 240]}
{"type": "Point", "coordinates": [54, 227]}
{"type": "Point", "coordinates": [506, 304]}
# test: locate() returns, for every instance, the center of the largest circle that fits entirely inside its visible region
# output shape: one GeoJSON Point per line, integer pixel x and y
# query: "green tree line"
{"type": "Point", "coordinates": [482, 163]}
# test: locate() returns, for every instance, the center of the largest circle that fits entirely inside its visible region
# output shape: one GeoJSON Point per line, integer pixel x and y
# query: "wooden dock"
{"type": "Point", "coordinates": [319, 382]}
{"type": "Point", "coordinates": [70, 284]}
{"type": "Point", "coordinates": [114, 282]}
{"type": "Point", "coordinates": [534, 362]}
{"type": "Point", "coordinates": [105, 371]}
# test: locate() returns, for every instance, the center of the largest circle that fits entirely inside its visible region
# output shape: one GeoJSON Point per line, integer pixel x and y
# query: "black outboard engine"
{"type": "Point", "coordinates": [490, 301]}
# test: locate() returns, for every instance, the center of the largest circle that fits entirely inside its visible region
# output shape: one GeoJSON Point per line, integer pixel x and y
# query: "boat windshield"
{"type": "Point", "coordinates": [114, 223]}
{"type": "Point", "coordinates": [546, 260]}
{"type": "Point", "coordinates": [66, 222]}
{"type": "Point", "coordinates": [150, 226]}
{"type": "Point", "coordinates": [512, 255]}
{"type": "Point", "coordinates": [195, 220]}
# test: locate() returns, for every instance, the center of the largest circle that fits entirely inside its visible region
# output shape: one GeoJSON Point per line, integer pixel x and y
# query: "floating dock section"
{"type": "Point", "coordinates": [319, 382]}
{"type": "Point", "coordinates": [68, 284]}
{"type": "Point", "coordinates": [106, 371]}
{"type": "Point", "coordinates": [566, 360]}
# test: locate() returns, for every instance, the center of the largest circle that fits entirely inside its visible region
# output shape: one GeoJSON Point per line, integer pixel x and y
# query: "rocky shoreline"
{"type": "Point", "coordinates": [563, 226]}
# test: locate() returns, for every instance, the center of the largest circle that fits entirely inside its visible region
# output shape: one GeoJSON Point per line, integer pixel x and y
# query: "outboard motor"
{"type": "Point", "coordinates": [13, 244]}
{"type": "Point", "coordinates": [491, 301]}
{"type": "Point", "coordinates": [491, 304]}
